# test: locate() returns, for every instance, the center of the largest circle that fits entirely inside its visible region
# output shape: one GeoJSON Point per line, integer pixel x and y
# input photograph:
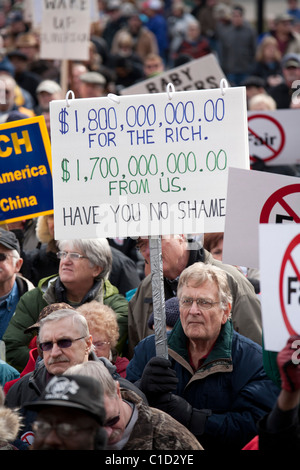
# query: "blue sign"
{"type": "Point", "coordinates": [25, 170]}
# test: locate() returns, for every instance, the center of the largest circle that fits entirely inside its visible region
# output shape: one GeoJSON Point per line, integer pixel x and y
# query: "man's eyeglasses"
{"type": "Point", "coordinates": [64, 254]}
{"type": "Point", "coordinates": [61, 343]}
{"type": "Point", "coordinates": [187, 302]}
{"type": "Point", "coordinates": [142, 247]}
{"type": "Point", "coordinates": [4, 256]}
{"type": "Point", "coordinates": [63, 430]}
{"type": "Point", "coordinates": [111, 422]}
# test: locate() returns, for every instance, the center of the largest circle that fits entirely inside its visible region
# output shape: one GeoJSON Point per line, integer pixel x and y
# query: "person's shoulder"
{"type": "Point", "coordinates": [177, 434]}
{"type": "Point", "coordinates": [144, 288]}
{"type": "Point", "coordinates": [146, 343]}
{"type": "Point", "coordinates": [242, 343]}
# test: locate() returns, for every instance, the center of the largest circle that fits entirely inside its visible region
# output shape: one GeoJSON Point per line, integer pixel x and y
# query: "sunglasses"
{"type": "Point", "coordinates": [111, 422]}
{"type": "Point", "coordinates": [4, 256]}
{"type": "Point", "coordinates": [61, 343]}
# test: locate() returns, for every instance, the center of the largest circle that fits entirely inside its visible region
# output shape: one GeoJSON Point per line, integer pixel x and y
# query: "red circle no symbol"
{"type": "Point", "coordinates": [278, 126]}
{"type": "Point", "coordinates": [277, 197]}
{"type": "Point", "coordinates": [288, 257]}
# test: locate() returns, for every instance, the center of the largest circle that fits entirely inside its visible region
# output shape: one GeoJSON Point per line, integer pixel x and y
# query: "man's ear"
{"type": "Point", "coordinates": [226, 313]}
{"type": "Point", "coordinates": [18, 265]}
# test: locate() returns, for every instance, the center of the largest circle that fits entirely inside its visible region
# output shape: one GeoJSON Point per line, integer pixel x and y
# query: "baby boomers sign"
{"type": "Point", "coordinates": [146, 164]}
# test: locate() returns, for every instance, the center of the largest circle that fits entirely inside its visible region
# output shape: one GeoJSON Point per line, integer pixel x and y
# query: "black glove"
{"type": "Point", "coordinates": [182, 411]}
{"type": "Point", "coordinates": [158, 377]}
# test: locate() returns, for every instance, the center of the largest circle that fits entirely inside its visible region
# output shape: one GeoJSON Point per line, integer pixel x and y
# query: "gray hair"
{"type": "Point", "coordinates": [198, 273]}
{"type": "Point", "coordinates": [78, 320]}
{"type": "Point", "coordinates": [97, 250]}
{"type": "Point", "coordinates": [15, 256]}
{"type": "Point", "coordinates": [98, 371]}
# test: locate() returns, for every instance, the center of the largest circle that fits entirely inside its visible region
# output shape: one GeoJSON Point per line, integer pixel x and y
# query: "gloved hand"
{"type": "Point", "coordinates": [289, 366]}
{"type": "Point", "coordinates": [182, 411]}
{"type": "Point", "coordinates": [158, 377]}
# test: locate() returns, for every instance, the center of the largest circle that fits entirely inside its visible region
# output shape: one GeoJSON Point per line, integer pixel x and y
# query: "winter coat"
{"type": "Point", "coordinates": [9, 305]}
{"type": "Point", "coordinates": [7, 373]}
{"type": "Point", "coordinates": [237, 48]}
{"type": "Point", "coordinates": [246, 310]}
{"type": "Point", "coordinates": [156, 430]}
{"type": "Point", "coordinates": [231, 383]}
{"type": "Point", "coordinates": [51, 290]}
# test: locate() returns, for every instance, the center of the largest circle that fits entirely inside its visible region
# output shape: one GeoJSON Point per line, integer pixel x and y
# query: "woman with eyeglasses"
{"type": "Point", "coordinates": [83, 273]}
{"type": "Point", "coordinates": [103, 326]}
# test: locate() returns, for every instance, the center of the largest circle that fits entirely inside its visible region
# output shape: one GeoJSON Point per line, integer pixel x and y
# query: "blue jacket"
{"type": "Point", "coordinates": [231, 383]}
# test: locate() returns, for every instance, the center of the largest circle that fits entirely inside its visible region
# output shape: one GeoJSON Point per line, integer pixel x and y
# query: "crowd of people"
{"type": "Point", "coordinates": [78, 365]}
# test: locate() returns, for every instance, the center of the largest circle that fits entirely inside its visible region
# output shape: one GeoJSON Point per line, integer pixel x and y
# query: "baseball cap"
{"type": "Point", "coordinates": [283, 17]}
{"type": "Point", "coordinates": [73, 391]}
{"type": "Point", "coordinates": [93, 77]}
{"type": "Point", "coordinates": [17, 53]}
{"type": "Point", "coordinates": [9, 240]}
{"type": "Point", "coordinates": [46, 311]}
{"type": "Point", "coordinates": [26, 40]}
{"type": "Point", "coordinates": [113, 5]}
{"type": "Point", "coordinates": [290, 60]}
{"type": "Point", "coordinates": [49, 86]}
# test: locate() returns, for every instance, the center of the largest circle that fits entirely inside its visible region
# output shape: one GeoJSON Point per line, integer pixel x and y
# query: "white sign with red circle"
{"type": "Point", "coordinates": [273, 136]}
{"type": "Point", "coordinates": [279, 248]}
{"type": "Point", "coordinates": [253, 198]}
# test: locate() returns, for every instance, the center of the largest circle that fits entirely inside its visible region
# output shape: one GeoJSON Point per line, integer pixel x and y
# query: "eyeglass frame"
{"type": "Point", "coordinates": [73, 255]}
{"type": "Point", "coordinates": [42, 344]}
{"type": "Point", "coordinates": [201, 303]}
{"type": "Point", "coordinates": [71, 432]}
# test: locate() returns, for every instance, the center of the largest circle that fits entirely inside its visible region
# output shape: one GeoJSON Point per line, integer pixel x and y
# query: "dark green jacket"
{"type": "Point", "coordinates": [50, 290]}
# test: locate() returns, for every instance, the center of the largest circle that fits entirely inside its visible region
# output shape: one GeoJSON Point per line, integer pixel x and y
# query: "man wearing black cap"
{"type": "Point", "coordinates": [283, 92]}
{"type": "Point", "coordinates": [70, 415]}
{"type": "Point", "coordinates": [12, 284]}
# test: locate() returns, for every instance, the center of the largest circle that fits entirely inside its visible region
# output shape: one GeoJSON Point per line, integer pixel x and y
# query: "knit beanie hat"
{"type": "Point", "coordinates": [172, 313]}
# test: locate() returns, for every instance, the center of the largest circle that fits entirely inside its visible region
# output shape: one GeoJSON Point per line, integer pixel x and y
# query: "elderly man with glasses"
{"type": "Point", "coordinates": [178, 252]}
{"type": "Point", "coordinates": [83, 276]}
{"type": "Point", "coordinates": [63, 341]}
{"type": "Point", "coordinates": [213, 381]}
